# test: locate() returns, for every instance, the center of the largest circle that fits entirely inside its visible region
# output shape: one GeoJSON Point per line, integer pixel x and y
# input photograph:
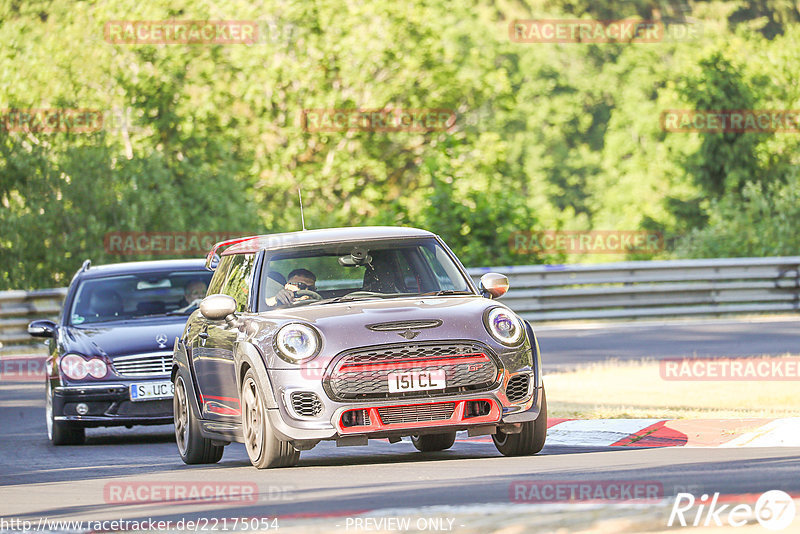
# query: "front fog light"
{"type": "Point", "coordinates": [296, 342]}
{"type": "Point", "coordinates": [82, 408]}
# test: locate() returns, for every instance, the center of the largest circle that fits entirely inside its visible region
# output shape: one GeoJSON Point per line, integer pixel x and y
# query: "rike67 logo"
{"type": "Point", "coordinates": [774, 510]}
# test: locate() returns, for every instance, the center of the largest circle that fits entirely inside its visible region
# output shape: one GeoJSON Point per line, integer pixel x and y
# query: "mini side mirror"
{"type": "Point", "coordinates": [42, 328]}
{"type": "Point", "coordinates": [494, 285]}
{"type": "Point", "coordinates": [217, 307]}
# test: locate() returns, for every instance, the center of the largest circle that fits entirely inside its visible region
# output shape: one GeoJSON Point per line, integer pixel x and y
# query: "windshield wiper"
{"type": "Point", "coordinates": [445, 292]}
{"type": "Point", "coordinates": [348, 298]}
{"type": "Point", "coordinates": [351, 297]}
{"type": "Point", "coordinates": [177, 312]}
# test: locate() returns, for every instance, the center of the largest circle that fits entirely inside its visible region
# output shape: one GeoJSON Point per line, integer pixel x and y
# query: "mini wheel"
{"type": "Point", "coordinates": [192, 446]}
{"type": "Point", "coordinates": [530, 440]}
{"type": "Point", "coordinates": [263, 447]}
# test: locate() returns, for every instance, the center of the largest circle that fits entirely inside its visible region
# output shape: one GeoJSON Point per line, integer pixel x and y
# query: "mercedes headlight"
{"type": "Point", "coordinates": [78, 368]}
{"type": "Point", "coordinates": [297, 342]}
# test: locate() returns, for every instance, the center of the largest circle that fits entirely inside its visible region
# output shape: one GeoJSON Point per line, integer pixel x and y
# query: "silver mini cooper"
{"type": "Point", "coordinates": [349, 334]}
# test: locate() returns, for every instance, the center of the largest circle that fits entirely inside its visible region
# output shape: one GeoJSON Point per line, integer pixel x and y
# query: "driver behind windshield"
{"type": "Point", "coordinates": [299, 280]}
{"type": "Point", "coordinates": [193, 293]}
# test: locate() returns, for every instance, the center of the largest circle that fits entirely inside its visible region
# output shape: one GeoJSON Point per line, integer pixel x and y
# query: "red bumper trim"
{"type": "Point", "coordinates": [458, 418]}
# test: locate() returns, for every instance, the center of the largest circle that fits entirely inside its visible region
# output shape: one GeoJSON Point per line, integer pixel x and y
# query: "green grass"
{"type": "Point", "coordinates": [617, 389]}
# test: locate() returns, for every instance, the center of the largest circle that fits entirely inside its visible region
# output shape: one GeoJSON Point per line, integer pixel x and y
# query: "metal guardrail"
{"type": "Point", "coordinates": [646, 289]}
{"type": "Point", "coordinates": [18, 308]}
{"type": "Point", "coordinates": [625, 290]}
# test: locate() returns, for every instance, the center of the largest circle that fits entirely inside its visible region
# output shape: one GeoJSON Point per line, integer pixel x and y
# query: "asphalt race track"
{"type": "Point", "coordinates": [570, 346]}
{"type": "Point", "coordinates": [331, 484]}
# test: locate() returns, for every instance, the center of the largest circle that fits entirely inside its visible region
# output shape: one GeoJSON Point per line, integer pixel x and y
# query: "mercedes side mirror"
{"type": "Point", "coordinates": [42, 328]}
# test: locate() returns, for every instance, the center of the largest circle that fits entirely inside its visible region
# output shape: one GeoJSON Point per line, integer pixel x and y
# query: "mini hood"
{"type": "Point", "coordinates": [346, 325]}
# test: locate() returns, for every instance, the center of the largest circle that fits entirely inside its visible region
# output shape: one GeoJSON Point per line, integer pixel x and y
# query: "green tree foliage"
{"type": "Point", "coordinates": [547, 136]}
{"type": "Point", "coordinates": [763, 222]}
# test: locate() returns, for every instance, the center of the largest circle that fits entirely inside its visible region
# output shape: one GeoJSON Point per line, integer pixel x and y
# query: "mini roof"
{"type": "Point", "coordinates": [321, 236]}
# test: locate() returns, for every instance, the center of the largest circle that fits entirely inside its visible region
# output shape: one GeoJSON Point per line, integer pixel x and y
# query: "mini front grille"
{"type": "Point", "coordinates": [404, 325]}
{"type": "Point", "coordinates": [306, 403]}
{"type": "Point", "coordinates": [517, 388]}
{"type": "Point", "coordinates": [364, 373]}
{"type": "Point", "coordinates": [153, 364]}
{"type": "Point", "coordinates": [419, 413]}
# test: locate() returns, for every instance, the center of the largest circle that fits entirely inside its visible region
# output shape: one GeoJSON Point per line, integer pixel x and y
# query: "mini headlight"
{"type": "Point", "coordinates": [504, 326]}
{"type": "Point", "coordinates": [74, 367]}
{"type": "Point", "coordinates": [296, 342]}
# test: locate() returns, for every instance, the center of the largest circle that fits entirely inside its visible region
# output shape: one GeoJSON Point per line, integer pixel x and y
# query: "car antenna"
{"type": "Point", "coordinates": [302, 217]}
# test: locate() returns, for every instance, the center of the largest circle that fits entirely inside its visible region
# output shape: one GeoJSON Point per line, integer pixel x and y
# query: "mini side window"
{"type": "Point", "coordinates": [220, 274]}
{"type": "Point", "coordinates": [240, 279]}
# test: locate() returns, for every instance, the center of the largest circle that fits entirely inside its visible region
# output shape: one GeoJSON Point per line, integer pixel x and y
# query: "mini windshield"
{"type": "Point", "coordinates": [118, 298]}
{"type": "Point", "coordinates": [356, 271]}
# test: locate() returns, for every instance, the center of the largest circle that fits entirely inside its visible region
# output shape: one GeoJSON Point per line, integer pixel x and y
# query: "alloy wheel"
{"type": "Point", "coordinates": [252, 417]}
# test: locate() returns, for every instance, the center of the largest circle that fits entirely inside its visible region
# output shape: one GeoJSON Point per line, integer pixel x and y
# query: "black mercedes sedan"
{"type": "Point", "coordinates": [110, 352]}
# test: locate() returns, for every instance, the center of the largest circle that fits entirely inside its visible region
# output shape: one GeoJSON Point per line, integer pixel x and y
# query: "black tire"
{"type": "Point", "coordinates": [263, 447]}
{"type": "Point", "coordinates": [61, 432]}
{"type": "Point", "coordinates": [434, 442]}
{"type": "Point", "coordinates": [528, 442]}
{"type": "Point", "coordinates": [192, 446]}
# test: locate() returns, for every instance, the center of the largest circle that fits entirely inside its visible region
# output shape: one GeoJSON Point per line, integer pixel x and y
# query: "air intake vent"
{"type": "Point", "coordinates": [517, 388]}
{"type": "Point", "coordinates": [356, 418]}
{"type": "Point", "coordinates": [394, 415]}
{"type": "Point", "coordinates": [404, 325]}
{"type": "Point", "coordinates": [306, 403]}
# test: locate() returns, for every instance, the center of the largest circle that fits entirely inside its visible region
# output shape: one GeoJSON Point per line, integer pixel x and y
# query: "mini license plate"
{"type": "Point", "coordinates": [416, 381]}
{"type": "Point", "coordinates": [152, 391]}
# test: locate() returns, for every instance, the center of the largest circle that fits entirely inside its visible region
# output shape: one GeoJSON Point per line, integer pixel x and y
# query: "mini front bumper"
{"type": "Point", "coordinates": [328, 423]}
{"type": "Point", "coordinates": [109, 404]}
